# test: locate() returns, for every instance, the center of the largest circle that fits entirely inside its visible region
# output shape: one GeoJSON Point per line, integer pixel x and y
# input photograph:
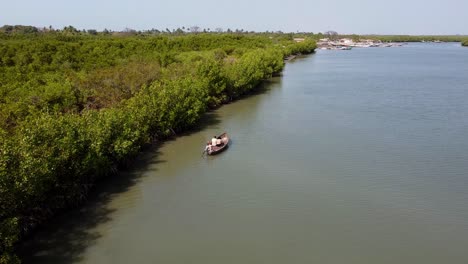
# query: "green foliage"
{"type": "Point", "coordinates": [247, 72]}
{"type": "Point", "coordinates": [18, 29]}
{"type": "Point", "coordinates": [305, 47]}
{"type": "Point", "coordinates": [465, 42]}
{"type": "Point", "coordinates": [9, 235]}
{"type": "Point", "coordinates": [74, 107]}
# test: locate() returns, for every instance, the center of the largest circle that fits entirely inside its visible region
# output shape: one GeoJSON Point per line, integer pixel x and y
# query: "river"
{"type": "Point", "coordinates": [356, 156]}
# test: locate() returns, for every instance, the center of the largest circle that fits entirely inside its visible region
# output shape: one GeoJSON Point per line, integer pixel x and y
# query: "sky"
{"type": "Point", "coordinates": [406, 17]}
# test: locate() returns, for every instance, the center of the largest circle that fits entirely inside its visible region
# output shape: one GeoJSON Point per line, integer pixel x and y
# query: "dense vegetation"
{"type": "Point", "coordinates": [74, 107]}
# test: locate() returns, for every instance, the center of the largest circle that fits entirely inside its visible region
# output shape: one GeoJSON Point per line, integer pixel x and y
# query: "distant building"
{"type": "Point", "coordinates": [346, 41]}
{"type": "Point", "coordinates": [298, 39]}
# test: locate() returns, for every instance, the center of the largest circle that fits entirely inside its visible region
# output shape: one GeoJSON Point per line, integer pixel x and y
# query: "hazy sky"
{"type": "Point", "coordinates": [343, 16]}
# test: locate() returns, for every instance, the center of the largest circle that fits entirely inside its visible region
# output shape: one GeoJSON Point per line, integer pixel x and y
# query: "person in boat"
{"type": "Point", "coordinates": [224, 140]}
{"type": "Point", "coordinates": [218, 142]}
{"type": "Point", "coordinates": [214, 141]}
{"type": "Point", "coordinates": [208, 147]}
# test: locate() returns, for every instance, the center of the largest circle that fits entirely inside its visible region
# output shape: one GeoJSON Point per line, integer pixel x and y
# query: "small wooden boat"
{"type": "Point", "coordinates": [224, 138]}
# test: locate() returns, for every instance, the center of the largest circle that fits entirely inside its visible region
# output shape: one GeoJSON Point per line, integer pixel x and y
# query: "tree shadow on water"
{"type": "Point", "coordinates": [209, 119]}
{"type": "Point", "coordinates": [263, 88]}
{"type": "Point", "coordinates": [66, 236]}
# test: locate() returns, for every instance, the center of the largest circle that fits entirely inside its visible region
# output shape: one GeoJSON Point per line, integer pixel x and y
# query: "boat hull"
{"type": "Point", "coordinates": [224, 145]}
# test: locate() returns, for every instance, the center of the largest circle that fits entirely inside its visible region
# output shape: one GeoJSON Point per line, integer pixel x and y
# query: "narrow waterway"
{"type": "Point", "coordinates": [354, 156]}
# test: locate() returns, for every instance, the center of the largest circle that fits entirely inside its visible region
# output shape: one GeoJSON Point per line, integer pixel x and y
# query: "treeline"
{"type": "Point", "coordinates": [392, 38]}
{"type": "Point", "coordinates": [19, 30]}
{"type": "Point", "coordinates": [412, 38]}
{"type": "Point", "coordinates": [75, 107]}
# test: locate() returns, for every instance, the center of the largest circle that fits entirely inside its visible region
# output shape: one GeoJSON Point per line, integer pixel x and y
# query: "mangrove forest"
{"type": "Point", "coordinates": [76, 106]}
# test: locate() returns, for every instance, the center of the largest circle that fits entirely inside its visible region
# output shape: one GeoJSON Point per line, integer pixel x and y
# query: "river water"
{"type": "Point", "coordinates": [354, 156]}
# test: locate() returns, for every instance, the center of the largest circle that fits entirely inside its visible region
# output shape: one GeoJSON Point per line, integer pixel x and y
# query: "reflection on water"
{"type": "Point", "coordinates": [349, 157]}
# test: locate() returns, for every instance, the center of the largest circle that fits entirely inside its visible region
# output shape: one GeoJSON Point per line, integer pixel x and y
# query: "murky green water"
{"type": "Point", "coordinates": [354, 156]}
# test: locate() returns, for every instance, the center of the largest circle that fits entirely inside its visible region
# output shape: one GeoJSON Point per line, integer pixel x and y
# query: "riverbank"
{"type": "Point", "coordinates": [51, 160]}
{"type": "Point", "coordinates": [345, 42]}
{"type": "Point", "coordinates": [348, 44]}
{"type": "Point", "coordinates": [369, 172]}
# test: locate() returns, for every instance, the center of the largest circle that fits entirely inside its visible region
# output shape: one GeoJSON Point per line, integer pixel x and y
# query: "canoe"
{"type": "Point", "coordinates": [219, 148]}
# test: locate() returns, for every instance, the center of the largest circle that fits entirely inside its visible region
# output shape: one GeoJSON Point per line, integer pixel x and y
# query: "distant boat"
{"type": "Point", "coordinates": [224, 138]}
